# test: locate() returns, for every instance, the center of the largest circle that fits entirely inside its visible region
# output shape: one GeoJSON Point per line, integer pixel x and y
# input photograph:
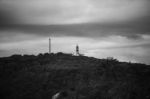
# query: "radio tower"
{"type": "Point", "coordinates": [49, 45]}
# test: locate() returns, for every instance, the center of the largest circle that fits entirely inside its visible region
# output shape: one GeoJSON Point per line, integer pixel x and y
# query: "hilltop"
{"type": "Point", "coordinates": [41, 76]}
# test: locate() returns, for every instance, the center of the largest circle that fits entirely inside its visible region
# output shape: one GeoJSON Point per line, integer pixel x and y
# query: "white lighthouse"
{"type": "Point", "coordinates": [77, 50]}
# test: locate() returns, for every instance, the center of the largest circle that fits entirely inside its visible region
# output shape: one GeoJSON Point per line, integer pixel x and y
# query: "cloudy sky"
{"type": "Point", "coordinates": [101, 28]}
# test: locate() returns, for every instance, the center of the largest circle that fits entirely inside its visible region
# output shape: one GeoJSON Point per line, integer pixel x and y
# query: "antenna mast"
{"type": "Point", "coordinates": [49, 45]}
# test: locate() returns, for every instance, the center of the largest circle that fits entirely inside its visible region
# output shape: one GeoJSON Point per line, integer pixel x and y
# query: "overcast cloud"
{"type": "Point", "coordinates": [118, 28]}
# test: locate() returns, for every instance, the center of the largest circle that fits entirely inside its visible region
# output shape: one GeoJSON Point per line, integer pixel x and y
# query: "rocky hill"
{"type": "Point", "coordinates": [41, 76]}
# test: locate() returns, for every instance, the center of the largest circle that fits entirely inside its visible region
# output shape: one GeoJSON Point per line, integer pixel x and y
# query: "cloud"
{"type": "Point", "coordinates": [98, 18]}
{"type": "Point", "coordinates": [6, 17]}
{"type": "Point", "coordinates": [49, 12]}
{"type": "Point", "coordinates": [94, 30]}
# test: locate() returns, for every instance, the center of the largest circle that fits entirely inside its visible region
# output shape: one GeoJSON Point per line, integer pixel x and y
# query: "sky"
{"type": "Point", "coordinates": [101, 28]}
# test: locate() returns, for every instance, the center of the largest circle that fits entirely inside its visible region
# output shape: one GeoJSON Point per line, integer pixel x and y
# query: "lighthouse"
{"type": "Point", "coordinates": [77, 50]}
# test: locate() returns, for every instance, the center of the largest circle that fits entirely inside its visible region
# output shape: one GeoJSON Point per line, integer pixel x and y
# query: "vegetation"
{"type": "Point", "coordinates": [41, 76]}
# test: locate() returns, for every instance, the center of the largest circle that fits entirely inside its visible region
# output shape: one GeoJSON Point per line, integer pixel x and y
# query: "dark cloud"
{"type": "Point", "coordinates": [132, 30]}
{"type": "Point", "coordinates": [5, 18]}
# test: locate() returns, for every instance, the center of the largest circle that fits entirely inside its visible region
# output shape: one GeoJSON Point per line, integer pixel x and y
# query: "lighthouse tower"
{"type": "Point", "coordinates": [77, 50]}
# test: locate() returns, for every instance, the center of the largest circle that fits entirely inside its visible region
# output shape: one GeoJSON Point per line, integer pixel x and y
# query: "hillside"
{"type": "Point", "coordinates": [41, 76]}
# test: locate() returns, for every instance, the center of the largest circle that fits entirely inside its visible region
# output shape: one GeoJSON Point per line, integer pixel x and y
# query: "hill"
{"type": "Point", "coordinates": [41, 76]}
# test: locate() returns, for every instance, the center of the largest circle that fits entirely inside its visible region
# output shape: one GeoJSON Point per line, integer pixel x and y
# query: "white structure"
{"type": "Point", "coordinates": [77, 50]}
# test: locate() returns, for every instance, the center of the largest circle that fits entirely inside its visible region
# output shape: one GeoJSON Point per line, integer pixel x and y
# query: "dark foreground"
{"type": "Point", "coordinates": [40, 77]}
